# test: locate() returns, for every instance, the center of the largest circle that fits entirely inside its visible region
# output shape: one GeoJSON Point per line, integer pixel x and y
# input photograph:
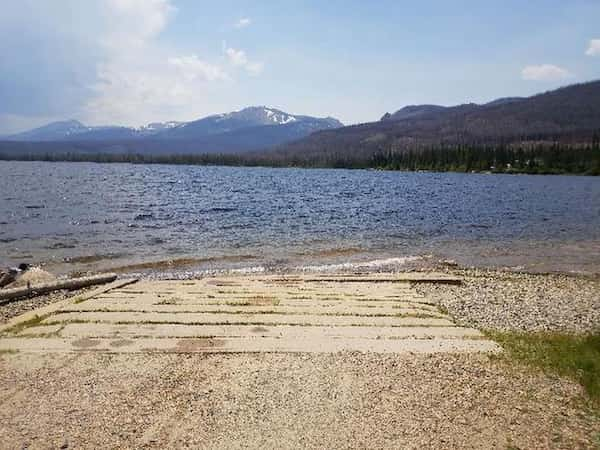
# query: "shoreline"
{"type": "Point", "coordinates": [191, 268]}
{"type": "Point", "coordinates": [138, 159]}
{"type": "Point", "coordinates": [569, 260]}
{"type": "Point", "coordinates": [492, 299]}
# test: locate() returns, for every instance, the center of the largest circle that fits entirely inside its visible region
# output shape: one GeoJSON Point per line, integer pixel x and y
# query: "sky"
{"type": "Point", "coordinates": [132, 62]}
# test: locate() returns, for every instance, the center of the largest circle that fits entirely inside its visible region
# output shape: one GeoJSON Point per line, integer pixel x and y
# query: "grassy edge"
{"type": "Point", "coordinates": [20, 326]}
{"type": "Point", "coordinates": [567, 355]}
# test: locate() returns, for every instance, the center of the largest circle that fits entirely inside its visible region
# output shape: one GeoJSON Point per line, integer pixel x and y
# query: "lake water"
{"type": "Point", "coordinates": [80, 216]}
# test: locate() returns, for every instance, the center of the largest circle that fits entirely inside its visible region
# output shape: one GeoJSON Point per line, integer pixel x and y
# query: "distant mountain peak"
{"type": "Point", "coordinates": [279, 117]}
{"type": "Point", "coordinates": [69, 122]}
{"type": "Point", "coordinates": [253, 127]}
{"type": "Point", "coordinates": [262, 115]}
{"type": "Point", "coordinates": [52, 131]}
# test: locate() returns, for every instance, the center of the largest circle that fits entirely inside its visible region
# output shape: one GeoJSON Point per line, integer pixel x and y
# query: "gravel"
{"type": "Point", "coordinates": [506, 301]}
{"type": "Point", "coordinates": [346, 400]}
{"type": "Point", "coordinates": [14, 308]}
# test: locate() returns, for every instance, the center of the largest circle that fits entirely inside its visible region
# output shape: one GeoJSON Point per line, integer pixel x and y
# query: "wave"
{"type": "Point", "coordinates": [373, 264]}
{"type": "Point", "coordinates": [333, 252]}
{"type": "Point", "coordinates": [178, 270]}
{"type": "Point", "coordinates": [179, 263]}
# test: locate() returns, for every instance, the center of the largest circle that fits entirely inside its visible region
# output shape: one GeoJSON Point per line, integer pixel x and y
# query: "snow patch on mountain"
{"type": "Point", "coordinates": [160, 126]}
{"type": "Point", "coordinates": [279, 117]}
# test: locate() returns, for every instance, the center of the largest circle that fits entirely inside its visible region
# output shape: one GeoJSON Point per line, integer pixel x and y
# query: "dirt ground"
{"type": "Point", "coordinates": [344, 400]}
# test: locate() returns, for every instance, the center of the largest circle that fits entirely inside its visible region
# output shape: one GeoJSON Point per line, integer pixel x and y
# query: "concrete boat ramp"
{"type": "Point", "coordinates": [379, 313]}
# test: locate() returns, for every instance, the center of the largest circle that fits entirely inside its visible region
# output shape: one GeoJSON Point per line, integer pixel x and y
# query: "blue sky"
{"type": "Point", "coordinates": [131, 62]}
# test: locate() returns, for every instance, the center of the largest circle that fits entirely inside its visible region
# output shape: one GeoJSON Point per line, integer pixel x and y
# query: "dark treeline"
{"type": "Point", "coordinates": [532, 159]}
{"type": "Point", "coordinates": [555, 159]}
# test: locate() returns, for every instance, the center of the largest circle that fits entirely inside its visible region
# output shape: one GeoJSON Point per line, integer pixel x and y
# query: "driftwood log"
{"type": "Point", "coordinates": [7, 277]}
{"type": "Point", "coordinates": [43, 288]}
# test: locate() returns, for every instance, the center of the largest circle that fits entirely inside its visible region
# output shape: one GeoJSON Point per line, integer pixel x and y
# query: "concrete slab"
{"type": "Point", "coordinates": [183, 299]}
{"type": "Point", "coordinates": [252, 309]}
{"type": "Point", "coordinates": [102, 302]}
{"type": "Point", "coordinates": [408, 277]}
{"type": "Point", "coordinates": [103, 330]}
{"type": "Point", "coordinates": [304, 313]}
{"type": "Point", "coordinates": [252, 345]}
{"type": "Point", "coordinates": [245, 319]}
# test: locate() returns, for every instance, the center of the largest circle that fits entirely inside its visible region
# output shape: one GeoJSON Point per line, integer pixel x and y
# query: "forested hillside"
{"type": "Point", "coordinates": [568, 115]}
{"type": "Point", "coordinates": [557, 131]}
{"type": "Point", "coordinates": [554, 132]}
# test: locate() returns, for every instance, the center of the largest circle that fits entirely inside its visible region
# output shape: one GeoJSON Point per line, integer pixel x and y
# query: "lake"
{"type": "Point", "coordinates": [87, 216]}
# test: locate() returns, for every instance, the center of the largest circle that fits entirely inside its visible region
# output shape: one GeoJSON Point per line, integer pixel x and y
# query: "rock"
{"type": "Point", "coordinates": [34, 275]}
{"type": "Point", "coordinates": [449, 263]}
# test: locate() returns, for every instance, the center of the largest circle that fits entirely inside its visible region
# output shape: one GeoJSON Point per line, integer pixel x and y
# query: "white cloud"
{"type": "Point", "coordinates": [133, 23]}
{"type": "Point", "coordinates": [243, 22]}
{"type": "Point", "coordinates": [594, 48]}
{"type": "Point", "coordinates": [238, 58]}
{"type": "Point", "coordinates": [102, 62]}
{"type": "Point", "coordinates": [193, 68]}
{"type": "Point", "coordinates": [140, 80]}
{"type": "Point", "coordinates": [151, 89]}
{"type": "Point", "coordinates": [545, 72]}
{"type": "Point", "coordinates": [106, 62]}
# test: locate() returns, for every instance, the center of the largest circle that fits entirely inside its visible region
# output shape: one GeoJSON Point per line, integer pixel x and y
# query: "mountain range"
{"type": "Point", "coordinates": [413, 111]}
{"type": "Point", "coordinates": [252, 128]}
{"type": "Point", "coordinates": [569, 116]}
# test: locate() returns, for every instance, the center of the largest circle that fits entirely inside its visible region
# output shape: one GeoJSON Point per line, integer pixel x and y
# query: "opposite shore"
{"type": "Point", "coordinates": [543, 160]}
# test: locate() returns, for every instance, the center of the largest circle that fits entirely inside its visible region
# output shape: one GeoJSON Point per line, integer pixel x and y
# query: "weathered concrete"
{"type": "Point", "coordinates": [244, 318]}
{"type": "Point", "coordinates": [104, 330]}
{"type": "Point", "coordinates": [372, 313]}
{"type": "Point", "coordinates": [147, 302]}
{"type": "Point", "coordinates": [306, 309]}
{"type": "Point", "coordinates": [254, 345]}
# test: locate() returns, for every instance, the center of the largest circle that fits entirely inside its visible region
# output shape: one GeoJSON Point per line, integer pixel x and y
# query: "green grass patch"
{"type": "Point", "coordinates": [9, 351]}
{"type": "Point", "coordinates": [577, 357]}
{"type": "Point", "coordinates": [34, 321]}
{"type": "Point", "coordinates": [78, 300]}
{"type": "Point", "coordinates": [168, 301]}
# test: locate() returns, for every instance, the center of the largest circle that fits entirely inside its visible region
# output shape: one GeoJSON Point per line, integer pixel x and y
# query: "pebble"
{"type": "Point", "coordinates": [506, 301]}
{"type": "Point", "coordinates": [14, 308]}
